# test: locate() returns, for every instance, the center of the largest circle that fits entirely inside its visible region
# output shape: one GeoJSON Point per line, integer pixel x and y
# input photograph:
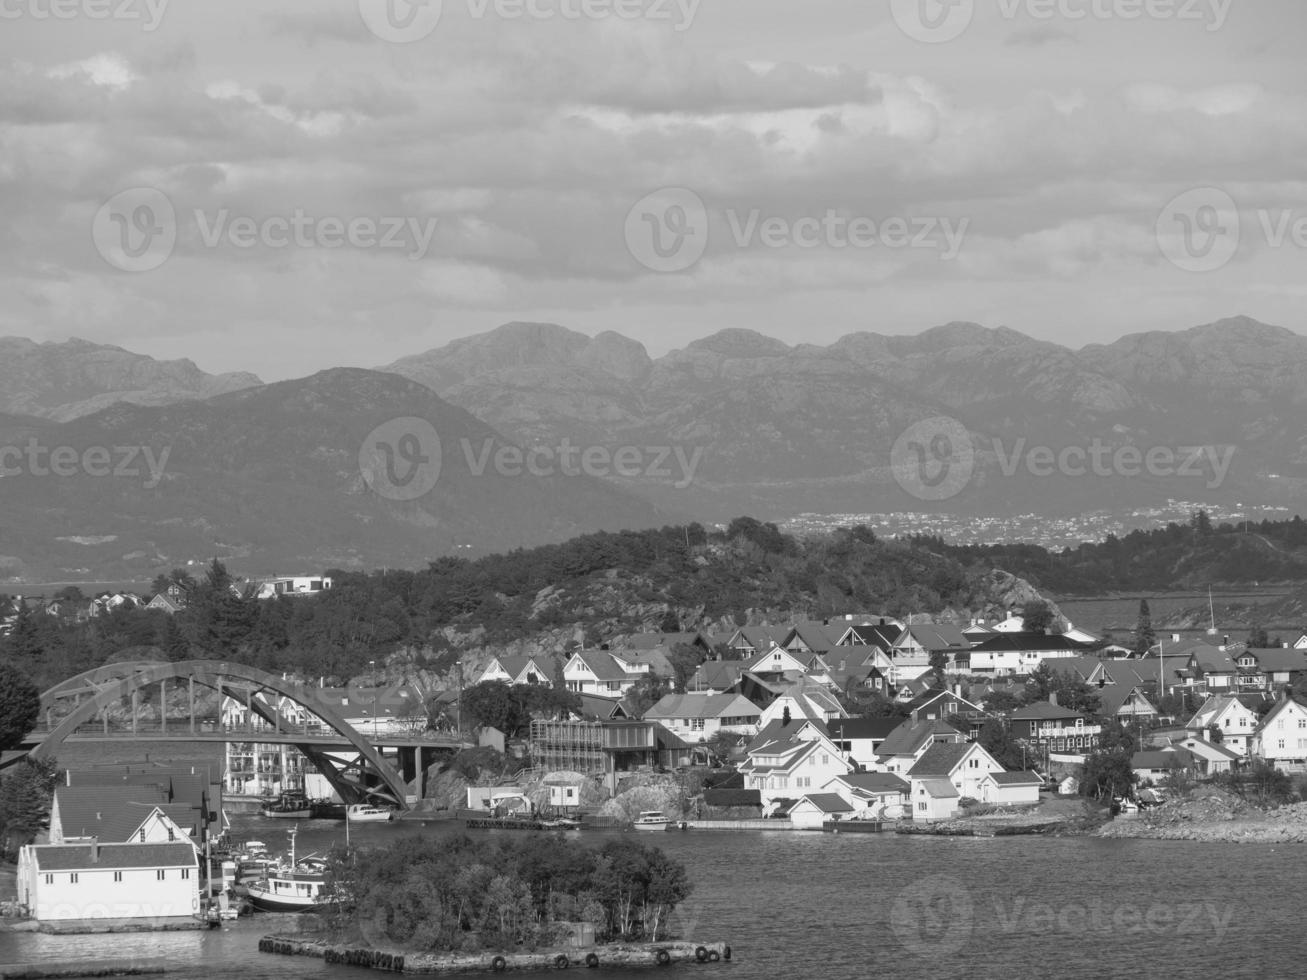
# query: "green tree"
{"type": "Point", "coordinates": [20, 706]}
{"type": "Point", "coordinates": [1144, 635]}
{"type": "Point", "coordinates": [492, 704]}
{"type": "Point", "coordinates": [1037, 616]}
{"type": "Point", "coordinates": [1257, 638]}
{"type": "Point", "coordinates": [645, 693]}
{"type": "Point", "coordinates": [26, 790]}
{"type": "Point", "coordinates": [685, 659]}
{"type": "Point", "coordinates": [996, 739]}
{"type": "Point", "coordinates": [938, 664]}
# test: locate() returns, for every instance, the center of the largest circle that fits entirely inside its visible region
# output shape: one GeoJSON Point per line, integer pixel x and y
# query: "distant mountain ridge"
{"type": "Point", "coordinates": [67, 380]}
{"type": "Point", "coordinates": [797, 428]}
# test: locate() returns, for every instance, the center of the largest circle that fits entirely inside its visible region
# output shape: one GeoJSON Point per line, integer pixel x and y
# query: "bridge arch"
{"type": "Point", "coordinates": [107, 685]}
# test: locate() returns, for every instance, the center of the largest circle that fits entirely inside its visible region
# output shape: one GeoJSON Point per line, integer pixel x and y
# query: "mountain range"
{"type": "Point", "coordinates": [270, 474]}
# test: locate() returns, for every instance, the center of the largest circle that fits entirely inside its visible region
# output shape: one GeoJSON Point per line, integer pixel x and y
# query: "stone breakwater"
{"type": "Point", "coordinates": [1215, 819]}
{"type": "Point", "coordinates": [397, 961]}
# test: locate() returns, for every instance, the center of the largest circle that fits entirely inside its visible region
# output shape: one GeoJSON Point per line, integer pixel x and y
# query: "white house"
{"type": "Point", "coordinates": [911, 740]}
{"type": "Point", "coordinates": [814, 809]}
{"type": "Point", "coordinates": [597, 672]}
{"type": "Point", "coordinates": [518, 670]}
{"type": "Point", "coordinates": [786, 761]}
{"type": "Point", "coordinates": [877, 795]}
{"type": "Point", "coordinates": [61, 882]}
{"type": "Point", "coordinates": [1021, 653]}
{"type": "Point", "coordinates": [698, 717]}
{"type": "Point", "coordinates": [1281, 738]}
{"type": "Point", "coordinates": [1010, 788]}
{"type": "Point", "coordinates": [803, 699]}
{"type": "Point", "coordinates": [292, 585]}
{"type": "Point", "coordinates": [1235, 721]}
{"type": "Point", "coordinates": [945, 774]}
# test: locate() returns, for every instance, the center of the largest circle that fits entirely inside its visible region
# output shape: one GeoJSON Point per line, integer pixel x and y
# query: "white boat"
{"type": "Point", "coordinates": [368, 813]}
{"type": "Point", "coordinates": [652, 820]}
{"type": "Point", "coordinates": [288, 891]}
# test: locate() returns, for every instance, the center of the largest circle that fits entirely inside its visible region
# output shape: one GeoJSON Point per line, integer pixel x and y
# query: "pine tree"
{"type": "Point", "coordinates": [1144, 636]}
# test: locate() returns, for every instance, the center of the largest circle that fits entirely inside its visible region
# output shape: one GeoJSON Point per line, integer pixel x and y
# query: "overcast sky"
{"type": "Point", "coordinates": [1024, 166]}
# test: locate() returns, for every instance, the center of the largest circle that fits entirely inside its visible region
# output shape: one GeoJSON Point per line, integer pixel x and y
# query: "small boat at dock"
{"type": "Point", "coordinates": [368, 813]}
{"type": "Point", "coordinates": [652, 820]}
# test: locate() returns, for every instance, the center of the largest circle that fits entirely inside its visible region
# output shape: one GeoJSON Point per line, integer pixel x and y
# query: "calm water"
{"type": "Point", "coordinates": [854, 906]}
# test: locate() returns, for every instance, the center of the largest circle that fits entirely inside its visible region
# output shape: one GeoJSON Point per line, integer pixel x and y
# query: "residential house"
{"type": "Point", "coordinates": [810, 638]}
{"type": "Point", "coordinates": [911, 740]}
{"type": "Point", "coordinates": [936, 702]}
{"type": "Point", "coordinates": [1126, 704]}
{"type": "Point", "coordinates": [1020, 652]}
{"type": "Point", "coordinates": [861, 738]}
{"type": "Point", "coordinates": [749, 641]}
{"type": "Point", "coordinates": [778, 662]}
{"type": "Point", "coordinates": [1270, 669]}
{"type": "Point", "coordinates": [1235, 720]}
{"type": "Point", "coordinates": [917, 643]}
{"type": "Point", "coordinates": [62, 882]}
{"type": "Point", "coordinates": [1210, 758]}
{"type": "Point", "coordinates": [1011, 788]}
{"type": "Point", "coordinates": [880, 634]}
{"type": "Point", "coordinates": [786, 760]}
{"type": "Point", "coordinates": [699, 717]}
{"type": "Point", "coordinates": [598, 672]}
{"type": "Point", "coordinates": [165, 603]}
{"type": "Point", "coordinates": [877, 795]}
{"type": "Point", "coordinates": [1049, 726]}
{"type": "Point", "coordinates": [1155, 765]}
{"type": "Point", "coordinates": [291, 585]}
{"type": "Point", "coordinates": [945, 774]}
{"type": "Point", "coordinates": [813, 810]}
{"type": "Point", "coordinates": [804, 698]}
{"type": "Point", "coordinates": [525, 669]}
{"type": "Point", "coordinates": [120, 815]}
{"type": "Point", "coordinates": [1281, 737]}
{"type": "Point", "coordinates": [598, 708]}
{"type": "Point", "coordinates": [716, 675]}
{"type": "Point", "coordinates": [650, 641]}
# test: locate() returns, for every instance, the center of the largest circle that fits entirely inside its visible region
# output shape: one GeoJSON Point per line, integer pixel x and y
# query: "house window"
{"type": "Point", "coordinates": [1280, 743]}
{"type": "Point", "coordinates": [117, 876]}
{"type": "Point", "coordinates": [159, 875]}
{"type": "Point", "coordinates": [171, 835]}
{"type": "Point", "coordinates": [186, 874]}
{"type": "Point", "coordinates": [142, 835]}
{"type": "Point", "coordinates": [825, 759]}
{"type": "Point", "coordinates": [696, 724]}
{"type": "Point", "coordinates": [921, 805]}
{"type": "Point", "coordinates": [72, 878]}
{"type": "Point", "coordinates": [49, 879]}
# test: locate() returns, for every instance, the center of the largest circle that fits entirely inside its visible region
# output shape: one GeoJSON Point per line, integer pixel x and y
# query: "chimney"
{"type": "Point", "coordinates": [1052, 698]}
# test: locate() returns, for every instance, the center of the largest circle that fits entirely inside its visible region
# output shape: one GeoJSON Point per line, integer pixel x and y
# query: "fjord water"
{"type": "Point", "coordinates": [849, 907]}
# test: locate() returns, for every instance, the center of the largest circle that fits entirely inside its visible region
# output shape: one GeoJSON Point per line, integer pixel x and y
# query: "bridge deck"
{"type": "Point", "coordinates": [180, 732]}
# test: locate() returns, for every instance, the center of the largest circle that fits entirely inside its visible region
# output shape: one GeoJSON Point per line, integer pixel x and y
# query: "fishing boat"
{"type": "Point", "coordinates": [298, 886]}
{"type": "Point", "coordinates": [288, 806]}
{"type": "Point", "coordinates": [652, 820]}
{"type": "Point", "coordinates": [368, 813]}
{"type": "Point", "coordinates": [327, 810]}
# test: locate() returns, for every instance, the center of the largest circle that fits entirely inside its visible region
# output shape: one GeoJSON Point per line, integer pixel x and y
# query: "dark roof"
{"type": "Point", "coordinates": [909, 736]}
{"type": "Point", "coordinates": [872, 728]}
{"type": "Point", "coordinates": [828, 802]}
{"type": "Point", "coordinates": [935, 636]}
{"type": "Point", "coordinates": [732, 797]}
{"type": "Point", "coordinates": [717, 674]}
{"type": "Point", "coordinates": [1016, 778]}
{"type": "Point", "coordinates": [876, 782]}
{"type": "Point", "coordinates": [77, 857]}
{"type": "Point", "coordinates": [940, 759]}
{"type": "Point", "coordinates": [596, 706]}
{"type": "Point", "coordinates": [603, 666]}
{"type": "Point", "coordinates": [1029, 641]}
{"type": "Point", "coordinates": [1044, 709]}
{"type": "Point", "coordinates": [881, 637]}
{"type": "Point", "coordinates": [110, 813]}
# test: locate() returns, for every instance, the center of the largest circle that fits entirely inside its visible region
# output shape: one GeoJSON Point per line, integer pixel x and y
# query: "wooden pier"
{"type": "Point", "coordinates": [395, 961]}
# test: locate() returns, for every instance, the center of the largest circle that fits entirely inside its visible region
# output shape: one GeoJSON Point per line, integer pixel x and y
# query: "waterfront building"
{"type": "Point", "coordinates": [62, 882]}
